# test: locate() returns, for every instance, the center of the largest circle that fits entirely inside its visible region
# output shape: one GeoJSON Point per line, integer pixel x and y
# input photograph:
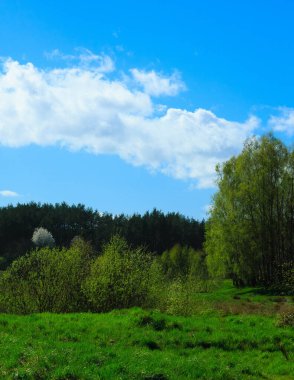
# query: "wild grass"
{"type": "Point", "coordinates": [140, 344]}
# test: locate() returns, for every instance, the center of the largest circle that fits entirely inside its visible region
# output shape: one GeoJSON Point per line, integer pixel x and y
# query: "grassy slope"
{"type": "Point", "coordinates": [136, 344]}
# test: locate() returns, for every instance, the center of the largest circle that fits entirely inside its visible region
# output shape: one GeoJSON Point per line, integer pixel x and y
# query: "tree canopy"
{"type": "Point", "coordinates": [250, 233]}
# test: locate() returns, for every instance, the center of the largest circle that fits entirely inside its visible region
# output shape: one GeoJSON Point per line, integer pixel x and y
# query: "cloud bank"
{"type": "Point", "coordinates": [83, 107]}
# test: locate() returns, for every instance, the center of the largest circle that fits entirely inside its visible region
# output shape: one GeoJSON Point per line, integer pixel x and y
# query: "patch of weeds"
{"type": "Point", "coordinates": [176, 325]}
{"type": "Point", "coordinates": [145, 320]}
{"type": "Point", "coordinates": [158, 324]}
{"type": "Point", "coordinates": [21, 375]}
{"type": "Point", "coordinates": [190, 344]}
{"type": "Point", "coordinates": [205, 345]}
{"type": "Point", "coordinates": [69, 338]}
{"type": "Point", "coordinates": [152, 345]}
{"type": "Point", "coordinates": [286, 319]}
{"type": "Point", "coordinates": [96, 361]}
{"type": "Point", "coordinates": [225, 345]}
{"type": "Point", "coordinates": [3, 323]}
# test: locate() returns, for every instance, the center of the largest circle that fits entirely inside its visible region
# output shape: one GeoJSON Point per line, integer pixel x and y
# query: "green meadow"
{"type": "Point", "coordinates": [234, 334]}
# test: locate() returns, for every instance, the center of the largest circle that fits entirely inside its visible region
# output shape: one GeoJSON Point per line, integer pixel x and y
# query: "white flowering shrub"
{"type": "Point", "coordinates": [43, 238]}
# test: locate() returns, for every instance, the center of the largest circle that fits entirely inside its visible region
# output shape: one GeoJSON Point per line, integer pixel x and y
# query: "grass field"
{"type": "Point", "coordinates": [227, 339]}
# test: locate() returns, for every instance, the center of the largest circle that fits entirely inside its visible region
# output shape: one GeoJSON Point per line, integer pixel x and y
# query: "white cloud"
{"type": "Point", "coordinates": [283, 122]}
{"type": "Point", "coordinates": [156, 84]}
{"type": "Point", "coordinates": [8, 193]}
{"type": "Point", "coordinates": [81, 108]}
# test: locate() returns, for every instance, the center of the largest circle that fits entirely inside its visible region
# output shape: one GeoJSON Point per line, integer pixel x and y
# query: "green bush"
{"type": "Point", "coordinates": [119, 278]}
{"type": "Point", "coordinates": [157, 284]}
{"type": "Point", "coordinates": [45, 280]}
{"type": "Point", "coordinates": [179, 299]}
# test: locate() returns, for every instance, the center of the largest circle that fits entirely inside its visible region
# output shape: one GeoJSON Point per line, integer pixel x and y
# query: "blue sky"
{"type": "Point", "coordinates": [128, 105]}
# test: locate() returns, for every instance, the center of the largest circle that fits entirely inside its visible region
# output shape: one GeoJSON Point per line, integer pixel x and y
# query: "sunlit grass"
{"type": "Point", "coordinates": [137, 344]}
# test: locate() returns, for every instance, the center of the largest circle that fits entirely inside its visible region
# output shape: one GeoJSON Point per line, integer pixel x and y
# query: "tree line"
{"type": "Point", "coordinates": [154, 230]}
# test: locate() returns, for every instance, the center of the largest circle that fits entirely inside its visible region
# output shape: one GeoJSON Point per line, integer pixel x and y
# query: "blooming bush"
{"type": "Point", "coordinates": [43, 238]}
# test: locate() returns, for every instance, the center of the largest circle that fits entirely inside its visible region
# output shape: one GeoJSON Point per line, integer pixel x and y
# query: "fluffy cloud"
{"type": "Point", "coordinates": [156, 84]}
{"type": "Point", "coordinates": [8, 193]}
{"type": "Point", "coordinates": [283, 122]}
{"type": "Point", "coordinates": [82, 108]}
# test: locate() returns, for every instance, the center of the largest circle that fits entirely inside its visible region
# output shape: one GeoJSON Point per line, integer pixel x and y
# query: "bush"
{"type": "Point", "coordinates": [119, 278]}
{"type": "Point", "coordinates": [45, 280]}
{"type": "Point", "coordinates": [157, 283]}
{"type": "Point", "coordinates": [179, 298]}
{"type": "Point", "coordinates": [43, 238]}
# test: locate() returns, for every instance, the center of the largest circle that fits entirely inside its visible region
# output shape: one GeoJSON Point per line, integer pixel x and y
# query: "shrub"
{"type": "Point", "coordinates": [83, 246]}
{"type": "Point", "coordinates": [45, 280]}
{"type": "Point", "coordinates": [43, 238]}
{"type": "Point", "coordinates": [157, 284]}
{"type": "Point", "coordinates": [119, 278]}
{"type": "Point", "coordinates": [178, 298]}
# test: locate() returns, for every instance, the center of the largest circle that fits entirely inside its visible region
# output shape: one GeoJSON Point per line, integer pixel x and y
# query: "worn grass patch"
{"type": "Point", "coordinates": [228, 300]}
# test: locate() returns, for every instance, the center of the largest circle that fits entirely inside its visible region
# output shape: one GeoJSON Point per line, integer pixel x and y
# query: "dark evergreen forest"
{"type": "Point", "coordinates": [154, 230]}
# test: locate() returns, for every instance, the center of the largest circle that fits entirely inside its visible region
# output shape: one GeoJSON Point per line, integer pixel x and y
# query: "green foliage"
{"type": "Point", "coordinates": [251, 226]}
{"type": "Point", "coordinates": [74, 279]}
{"type": "Point", "coordinates": [179, 299]}
{"type": "Point", "coordinates": [45, 280]}
{"type": "Point", "coordinates": [119, 278]}
{"type": "Point", "coordinates": [84, 247]}
{"type": "Point", "coordinates": [184, 261]}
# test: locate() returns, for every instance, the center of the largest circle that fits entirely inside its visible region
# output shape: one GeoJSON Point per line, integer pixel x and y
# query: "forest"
{"type": "Point", "coordinates": [154, 230]}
